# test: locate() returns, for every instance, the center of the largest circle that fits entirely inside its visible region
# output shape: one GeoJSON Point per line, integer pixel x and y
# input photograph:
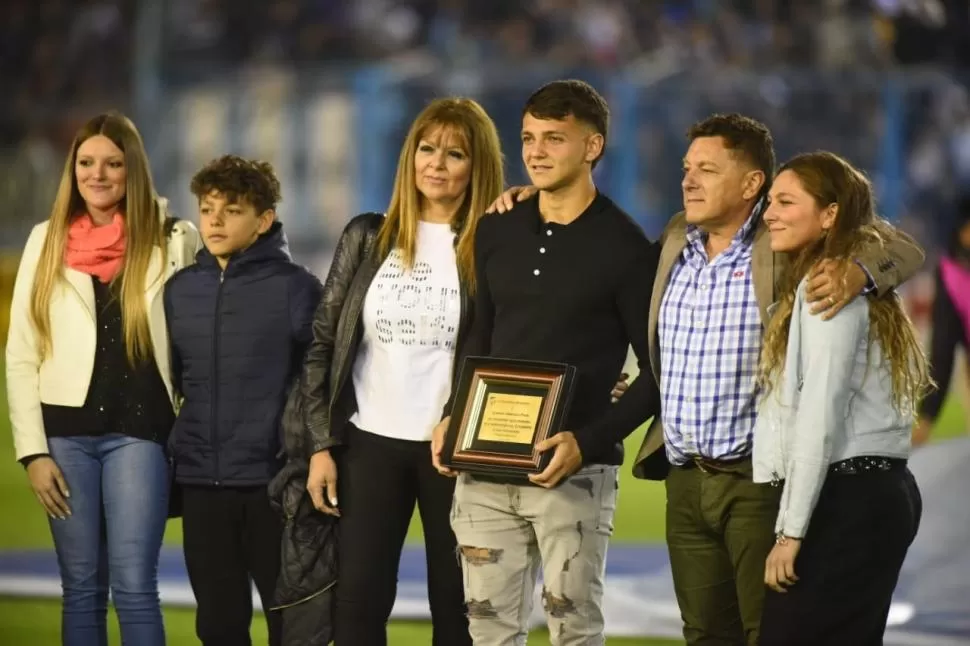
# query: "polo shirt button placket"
{"type": "Point", "coordinates": [542, 250]}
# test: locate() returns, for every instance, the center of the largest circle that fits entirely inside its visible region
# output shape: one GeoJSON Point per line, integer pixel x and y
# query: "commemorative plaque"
{"type": "Point", "coordinates": [503, 408]}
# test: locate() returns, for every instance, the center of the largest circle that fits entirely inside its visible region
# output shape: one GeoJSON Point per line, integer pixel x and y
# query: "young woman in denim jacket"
{"type": "Point", "coordinates": [833, 429]}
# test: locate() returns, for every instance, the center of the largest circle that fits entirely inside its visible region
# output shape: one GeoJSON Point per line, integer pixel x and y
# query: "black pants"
{"type": "Point", "coordinates": [848, 563]}
{"type": "Point", "coordinates": [380, 479]}
{"type": "Point", "coordinates": [231, 536]}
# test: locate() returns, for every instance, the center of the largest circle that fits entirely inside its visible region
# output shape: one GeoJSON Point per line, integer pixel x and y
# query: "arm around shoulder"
{"type": "Point", "coordinates": [892, 262]}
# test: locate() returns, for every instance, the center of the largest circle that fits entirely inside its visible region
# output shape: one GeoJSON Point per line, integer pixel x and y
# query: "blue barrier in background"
{"type": "Point", "coordinates": [335, 136]}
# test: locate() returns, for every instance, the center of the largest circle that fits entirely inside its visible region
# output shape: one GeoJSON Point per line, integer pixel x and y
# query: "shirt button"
{"type": "Point", "coordinates": [548, 232]}
{"type": "Point", "coordinates": [535, 272]}
{"type": "Point", "coordinates": [542, 249]}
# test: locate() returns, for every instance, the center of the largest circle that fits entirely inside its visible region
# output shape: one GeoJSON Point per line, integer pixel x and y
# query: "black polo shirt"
{"type": "Point", "coordinates": [577, 294]}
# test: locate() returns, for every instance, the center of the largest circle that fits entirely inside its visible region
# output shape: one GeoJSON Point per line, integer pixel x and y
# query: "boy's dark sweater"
{"type": "Point", "coordinates": [237, 338]}
{"type": "Point", "coordinates": [577, 294]}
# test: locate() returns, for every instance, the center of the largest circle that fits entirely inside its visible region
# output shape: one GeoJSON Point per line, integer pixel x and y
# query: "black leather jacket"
{"type": "Point", "coordinates": [329, 400]}
{"type": "Point", "coordinates": [306, 585]}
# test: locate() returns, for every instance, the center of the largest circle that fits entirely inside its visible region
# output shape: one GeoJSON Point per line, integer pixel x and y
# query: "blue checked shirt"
{"type": "Point", "coordinates": [710, 340]}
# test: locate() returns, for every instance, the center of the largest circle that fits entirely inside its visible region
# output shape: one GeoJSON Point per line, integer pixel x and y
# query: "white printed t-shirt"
{"type": "Point", "coordinates": [402, 373]}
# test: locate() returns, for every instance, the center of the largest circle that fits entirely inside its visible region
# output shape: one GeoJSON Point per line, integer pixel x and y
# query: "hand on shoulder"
{"type": "Point", "coordinates": [504, 202]}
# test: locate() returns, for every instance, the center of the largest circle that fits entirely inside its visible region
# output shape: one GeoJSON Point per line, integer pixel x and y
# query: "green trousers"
{"type": "Point", "coordinates": [720, 528]}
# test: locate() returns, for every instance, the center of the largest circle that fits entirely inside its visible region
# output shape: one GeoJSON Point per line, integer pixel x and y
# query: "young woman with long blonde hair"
{"type": "Point", "coordinates": [833, 428]}
{"type": "Point", "coordinates": [88, 383]}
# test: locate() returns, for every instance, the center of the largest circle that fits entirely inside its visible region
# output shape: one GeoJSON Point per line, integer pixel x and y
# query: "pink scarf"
{"type": "Point", "coordinates": [98, 251]}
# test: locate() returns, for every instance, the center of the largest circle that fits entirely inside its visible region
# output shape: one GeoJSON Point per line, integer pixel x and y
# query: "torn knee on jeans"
{"type": "Point", "coordinates": [480, 555]}
{"type": "Point", "coordinates": [481, 609]}
{"type": "Point", "coordinates": [557, 607]}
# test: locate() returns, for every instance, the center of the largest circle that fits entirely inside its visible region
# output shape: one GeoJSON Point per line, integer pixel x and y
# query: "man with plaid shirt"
{"type": "Point", "coordinates": [713, 291]}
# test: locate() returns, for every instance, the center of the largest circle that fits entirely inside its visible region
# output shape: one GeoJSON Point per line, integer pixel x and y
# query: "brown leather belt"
{"type": "Point", "coordinates": [709, 465]}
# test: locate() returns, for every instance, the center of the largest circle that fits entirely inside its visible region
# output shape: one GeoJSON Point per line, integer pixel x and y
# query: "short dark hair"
{"type": "Point", "coordinates": [559, 99]}
{"type": "Point", "coordinates": [744, 135]}
{"type": "Point", "coordinates": [239, 179]}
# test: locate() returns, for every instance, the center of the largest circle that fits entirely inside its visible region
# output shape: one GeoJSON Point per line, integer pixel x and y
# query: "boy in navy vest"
{"type": "Point", "coordinates": [239, 321]}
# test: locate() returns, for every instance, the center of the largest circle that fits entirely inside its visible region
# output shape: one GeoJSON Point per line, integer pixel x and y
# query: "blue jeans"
{"type": "Point", "coordinates": [119, 505]}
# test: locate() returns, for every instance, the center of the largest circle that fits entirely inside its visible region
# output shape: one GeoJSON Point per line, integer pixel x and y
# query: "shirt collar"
{"type": "Point", "coordinates": [598, 204]}
{"type": "Point", "coordinates": [696, 235]}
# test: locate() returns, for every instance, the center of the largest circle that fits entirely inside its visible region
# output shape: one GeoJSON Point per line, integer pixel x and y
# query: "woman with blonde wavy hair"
{"type": "Point", "coordinates": [396, 306]}
{"type": "Point", "coordinates": [833, 429]}
{"type": "Point", "coordinates": [88, 384]}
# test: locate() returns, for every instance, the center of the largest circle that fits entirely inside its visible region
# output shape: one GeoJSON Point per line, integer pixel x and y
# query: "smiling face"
{"type": "Point", "coordinates": [557, 152]}
{"type": "Point", "coordinates": [101, 174]}
{"type": "Point", "coordinates": [442, 166]}
{"type": "Point", "coordinates": [795, 219]}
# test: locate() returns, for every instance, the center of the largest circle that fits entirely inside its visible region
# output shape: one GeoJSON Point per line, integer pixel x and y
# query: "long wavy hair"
{"type": "Point", "coordinates": [478, 135]}
{"type": "Point", "coordinates": [829, 179]}
{"type": "Point", "coordinates": [143, 233]}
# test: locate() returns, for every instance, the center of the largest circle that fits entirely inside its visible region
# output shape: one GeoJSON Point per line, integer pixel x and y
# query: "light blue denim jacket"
{"type": "Point", "coordinates": [832, 401]}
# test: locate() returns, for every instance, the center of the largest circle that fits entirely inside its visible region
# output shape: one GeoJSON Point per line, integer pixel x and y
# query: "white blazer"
{"type": "Point", "coordinates": [63, 377]}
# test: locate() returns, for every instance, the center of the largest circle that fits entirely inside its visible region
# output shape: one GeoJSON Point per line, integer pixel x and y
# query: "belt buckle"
{"type": "Point", "coordinates": [699, 463]}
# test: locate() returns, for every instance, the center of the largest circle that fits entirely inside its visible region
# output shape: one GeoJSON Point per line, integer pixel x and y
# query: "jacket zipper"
{"type": "Point", "coordinates": [214, 379]}
{"type": "Point", "coordinates": [307, 598]}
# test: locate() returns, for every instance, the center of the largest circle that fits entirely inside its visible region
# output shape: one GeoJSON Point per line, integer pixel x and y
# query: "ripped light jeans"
{"type": "Point", "coordinates": [506, 532]}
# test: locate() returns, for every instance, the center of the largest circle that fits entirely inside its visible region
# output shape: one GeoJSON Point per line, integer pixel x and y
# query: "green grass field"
{"type": "Point", "coordinates": [37, 623]}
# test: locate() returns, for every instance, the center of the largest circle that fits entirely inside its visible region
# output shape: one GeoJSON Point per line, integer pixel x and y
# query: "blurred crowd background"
{"type": "Point", "coordinates": [326, 88]}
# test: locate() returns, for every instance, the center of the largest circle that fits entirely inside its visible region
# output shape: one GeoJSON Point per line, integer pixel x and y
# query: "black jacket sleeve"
{"type": "Point", "coordinates": [642, 399]}
{"type": "Point", "coordinates": [305, 293]}
{"type": "Point", "coordinates": [315, 377]}
{"type": "Point", "coordinates": [946, 335]}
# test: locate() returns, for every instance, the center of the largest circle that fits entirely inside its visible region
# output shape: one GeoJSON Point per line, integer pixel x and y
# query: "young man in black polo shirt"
{"type": "Point", "coordinates": [565, 276]}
